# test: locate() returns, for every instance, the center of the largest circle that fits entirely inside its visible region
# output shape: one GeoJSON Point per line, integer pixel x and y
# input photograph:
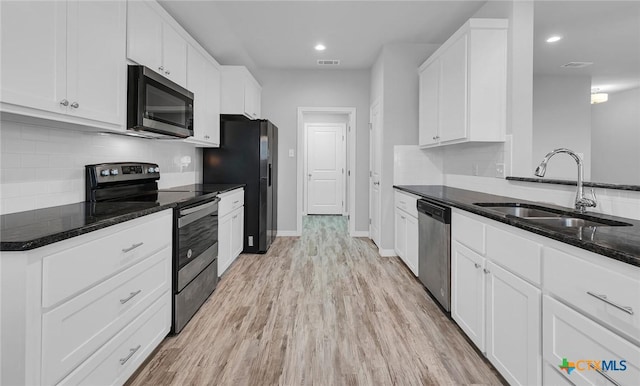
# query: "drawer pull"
{"type": "Point", "coordinates": [131, 296]}
{"type": "Point", "coordinates": [236, 201]}
{"type": "Point", "coordinates": [626, 309]}
{"type": "Point", "coordinates": [607, 377]}
{"type": "Point", "coordinates": [477, 265]}
{"type": "Point", "coordinates": [131, 248]}
{"type": "Point", "coordinates": [131, 352]}
{"type": "Point", "coordinates": [486, 271]}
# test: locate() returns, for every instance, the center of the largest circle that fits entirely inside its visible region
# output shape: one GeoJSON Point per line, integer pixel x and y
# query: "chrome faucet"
{"type": "Point", "coordinates": [582, 202]}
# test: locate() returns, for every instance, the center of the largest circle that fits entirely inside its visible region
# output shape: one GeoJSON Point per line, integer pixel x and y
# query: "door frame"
{"type": "Point", "coordinates": [305, 172]}
{"type": "Point", "coordinates": [375, 106]}
{"type": "Point", "coordinates": [350, 157]}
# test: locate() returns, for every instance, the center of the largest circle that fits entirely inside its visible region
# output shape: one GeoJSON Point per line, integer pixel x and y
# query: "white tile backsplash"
{"type": "Point", "coordinates": [42, 166]}
{"type": "Point", "coordinates": [414, 166]}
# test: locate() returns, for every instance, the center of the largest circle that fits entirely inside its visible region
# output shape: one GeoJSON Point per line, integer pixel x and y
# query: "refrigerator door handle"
{"type": "Point", "coordinates": [269, 183]}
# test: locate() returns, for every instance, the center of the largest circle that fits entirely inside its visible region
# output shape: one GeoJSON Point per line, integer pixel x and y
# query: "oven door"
{"type": "Point", "coordinates": [157, 105]}
{"type": "Point", "coordinates": [197, 245]}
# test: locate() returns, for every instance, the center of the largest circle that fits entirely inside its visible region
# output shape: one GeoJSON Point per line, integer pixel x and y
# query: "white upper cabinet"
{"type": "Point", "coordinates": [463, 86]}
{"type": "Point", "coordinates": [203, 79]}
{"type": "Point", "coordinates": [241, 93]}
{"type": "Point", "coordinates": [65, 61]}
{"type": "Point", "coordinates": [153, 42]}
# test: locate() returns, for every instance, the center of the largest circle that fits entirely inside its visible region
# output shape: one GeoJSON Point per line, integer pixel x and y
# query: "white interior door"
{"type": "Point", "coordinates": [325, 168]}
{"type": "Point", "coordinates": [375, 162]}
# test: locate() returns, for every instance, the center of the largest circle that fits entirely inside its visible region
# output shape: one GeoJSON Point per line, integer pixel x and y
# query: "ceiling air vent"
{"type": "Point", "coordinates": [576, 64]}
{"type": "Point", "coordinates": [328, 62]}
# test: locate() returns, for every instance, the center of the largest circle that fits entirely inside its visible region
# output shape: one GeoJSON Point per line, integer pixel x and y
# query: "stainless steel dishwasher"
{"type": "Point", "coordinates": [434, 254]}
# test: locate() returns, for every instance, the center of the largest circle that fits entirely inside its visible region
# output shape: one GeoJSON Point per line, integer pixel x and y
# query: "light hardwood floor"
{"type": "Point", "coordinates": [322, 309]}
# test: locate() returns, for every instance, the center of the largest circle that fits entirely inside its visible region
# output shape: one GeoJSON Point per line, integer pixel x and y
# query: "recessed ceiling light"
{"type": "Point", "coordinates": [320, 47]}
{"type": "Point", "coordinates": [553, 39]}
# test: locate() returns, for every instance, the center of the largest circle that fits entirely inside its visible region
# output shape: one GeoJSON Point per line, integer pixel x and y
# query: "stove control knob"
{"type": "Point", "coordinates": [150, 170]}
{"type": "Point", "coordinates": [104, 172]}
{"type": "Point", "coordinates": [156, 169]}
{"type": "Point", "coordinates": [114, 172]}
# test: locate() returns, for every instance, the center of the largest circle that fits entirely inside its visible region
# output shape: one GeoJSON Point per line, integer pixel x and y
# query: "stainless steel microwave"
{"type": "Point", "coordinates": [156, 106]}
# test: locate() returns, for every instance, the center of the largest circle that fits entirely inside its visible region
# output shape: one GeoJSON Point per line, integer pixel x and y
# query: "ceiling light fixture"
{"type": "Point", "coordinates": [598, 97]}
{"type": "Point", "coordinates": [553, 39]}
{"type": "Point", "coordinates": [320, 47]}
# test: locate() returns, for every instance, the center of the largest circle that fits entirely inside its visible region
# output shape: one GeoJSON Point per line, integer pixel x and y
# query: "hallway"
{"type": "Point", "coordinates": [322, 309]}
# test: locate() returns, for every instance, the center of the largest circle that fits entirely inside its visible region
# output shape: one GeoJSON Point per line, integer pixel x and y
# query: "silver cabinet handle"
{"type": "Point", "coordinates": [377, 183]}
{"type": "Point", "coordinates": [131, 296]}
{"type": "Point", "coordinates": [236, 201]}
{"type": "Point", "coordinates": [131, 248]}
{"type": "Point", "coordinates": [236, 216]}
{"type": "Point", "coordinates": [626, 309]}
{"type": "Point", "coordinates": [75, 105]}
{"type": "Point", "coordinates": [607, 377]}
{"type": "Point", "coordinates": [403, 203]}
{"type": "Point", "coordinates": [477, 265]}
{"type": "Point", "coordinates": [167, 72]}
{"type": "Point", "coordinates": [131, 352]}
{"type": "Point", "coordinates": [64, 102]}
{"type": "Point", "coordinates": [402, 217]}
{"type": "Point", "coordinates": [206, 137]}
{"type": "Point", "coordinates": [161, 68]}
{"type": "Point", "coordinates": [486, 270]}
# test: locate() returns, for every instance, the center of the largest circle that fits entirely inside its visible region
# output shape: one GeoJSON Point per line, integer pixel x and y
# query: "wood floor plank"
{"type": "Point", "coordinates": [321, 309]}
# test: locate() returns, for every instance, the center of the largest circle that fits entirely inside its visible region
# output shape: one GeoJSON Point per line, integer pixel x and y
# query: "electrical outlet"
{"type": "Point", "coordinates": [474, 169]}
{"type": "Point", "coordinates": [291, 153]}
{"type": "Point", "coordinates": [500, 170]}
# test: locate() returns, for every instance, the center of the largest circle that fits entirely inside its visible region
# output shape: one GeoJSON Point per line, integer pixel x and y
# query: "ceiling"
{"type": "Point", "coordinates": [282, 34]}
{"type": "Point", "coordinates": [606, 33]}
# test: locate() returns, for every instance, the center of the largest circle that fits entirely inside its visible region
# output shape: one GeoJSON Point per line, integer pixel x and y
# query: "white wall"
{"type": "Point", "coordinates": [394, 80]}
{"type": "Point", "coordinates": [283, 91]}
{"type": "Point", "coordinates": [42, 166]}
{"type": "Point", "coordinates": [562, 118]}
{"type": "Point", "coordinates": [615, 139]}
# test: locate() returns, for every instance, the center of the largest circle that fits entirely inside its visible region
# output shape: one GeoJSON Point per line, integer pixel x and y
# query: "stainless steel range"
{"type": "Point", "coordinates": [195, 233]}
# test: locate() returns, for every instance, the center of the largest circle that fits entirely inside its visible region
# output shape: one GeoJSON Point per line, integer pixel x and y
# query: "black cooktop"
{"type": "Point", "coordinates": [169, 196]}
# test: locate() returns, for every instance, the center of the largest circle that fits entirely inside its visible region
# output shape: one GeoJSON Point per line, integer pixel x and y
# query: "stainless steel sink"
{"type": "Point", "coordinates": [549, 217]}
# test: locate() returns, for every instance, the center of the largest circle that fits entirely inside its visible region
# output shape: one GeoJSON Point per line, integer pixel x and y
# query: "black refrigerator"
{"type": "Point", "coordinates": [248, 154]}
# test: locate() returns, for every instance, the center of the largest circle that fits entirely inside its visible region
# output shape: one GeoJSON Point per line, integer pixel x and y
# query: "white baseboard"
{"type": "Point", "coordinates": [387, 252]}
{"type": "Point", "coordinates": [287, 234]}
{"type": "Point", "coordinates": [360, 234]}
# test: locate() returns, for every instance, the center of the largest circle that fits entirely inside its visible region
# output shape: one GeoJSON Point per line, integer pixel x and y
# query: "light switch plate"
{"type": "Point", "coordinates": [499, 170]}
{"type": "Point", "coordinates": [291, 153]}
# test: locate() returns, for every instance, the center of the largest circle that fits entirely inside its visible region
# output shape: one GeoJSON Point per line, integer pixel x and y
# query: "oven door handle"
{"type": "Point", "coordinates": [187, 216]}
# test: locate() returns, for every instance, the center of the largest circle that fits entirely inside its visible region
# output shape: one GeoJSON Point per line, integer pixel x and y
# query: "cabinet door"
{"type": "Point", "coordinates": [96, 64]}
{"type": "Point", "coordinates": [429, 100]}
{"type": "Point", "coordinates": [412, 244]}
{"type": "Point", "coordinates": [513, 327]}
{"type": "Point", "coordinates": [34, 54]}
{"type": "Point", "coordinates": [452, 115]}
{"type": "Point", "coordinates": [196, 76]}
{"type": "Point", "coordinates": [144, 35]}
{"type": "Point", "coordinates": [251, 99]}
{"type": "Point", "coordinates": [212, 98]}
{"type": "Point", "coordinates": [467, 292]}
{"type": "Point", "coordinates": [400, 239]}
{"type": "Point", "coordinates": [174, 55]}
{"type": "Point", "coordinates": [224, 244]}
{"type": "Point", "coordinates": [237, 233]}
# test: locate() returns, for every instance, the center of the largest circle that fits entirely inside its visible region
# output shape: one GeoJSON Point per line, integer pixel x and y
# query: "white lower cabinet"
{"type": "Point", "coordinates": [599, 356]}
{"type": "Point", "coordinates": [230, 228]}
{"type": "Point", "coordinates": [581, 308]}
{"type": "Point", "coordinates": [498, 310]}
{"type": "Point", "coordinates": [406, 242]}
{"type": "Point", "coordinates": [112, 312]}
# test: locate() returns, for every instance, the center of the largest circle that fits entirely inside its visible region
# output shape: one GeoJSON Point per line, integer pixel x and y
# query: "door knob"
{"type": "Point", "coordinates": [75, 105]}
{"type": "Point", "coordinates": [64, 102]}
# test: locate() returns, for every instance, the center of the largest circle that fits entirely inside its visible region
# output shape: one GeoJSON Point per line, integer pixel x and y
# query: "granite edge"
{"type": "Point", "coordinates": [20, 246]}
{"type": "Point", "coordinates": [635, 188]}
{"type": "Point", "coordinates": [591, 247]}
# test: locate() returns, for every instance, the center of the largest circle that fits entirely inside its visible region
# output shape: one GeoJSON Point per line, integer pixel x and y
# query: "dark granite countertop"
{"type": "Point", "coordinates": [209, 188]}
{"type": "Point", "coordinates": [620, 243]}
{"type": "Point", "coordinates": [573, 183]}
{"type": "Point", "coordinates": [32, 229]}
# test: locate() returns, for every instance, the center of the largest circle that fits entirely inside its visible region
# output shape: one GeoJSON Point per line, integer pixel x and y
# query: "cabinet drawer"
{"type": "Point", "coordinates": [567, 334]}
{"type": "Point", "coordinates": [77, 328]}
{"type": "Point", "coordinates": [230, 201]}
{"type": "Point", "coordinates": [552, 377]}
{"type": "Point", "coordinates": [406, 202]}
{"type": "Point", "coordinates": [114, 363]}
{"type": "Point", "coordinates": [468, 231]}
{"type": "Point", "coordinates": [572, 279]}
{"type": "Point", "coordinates": [518, 254]}
{"type": "Point", "coordinates": [92, 260]}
